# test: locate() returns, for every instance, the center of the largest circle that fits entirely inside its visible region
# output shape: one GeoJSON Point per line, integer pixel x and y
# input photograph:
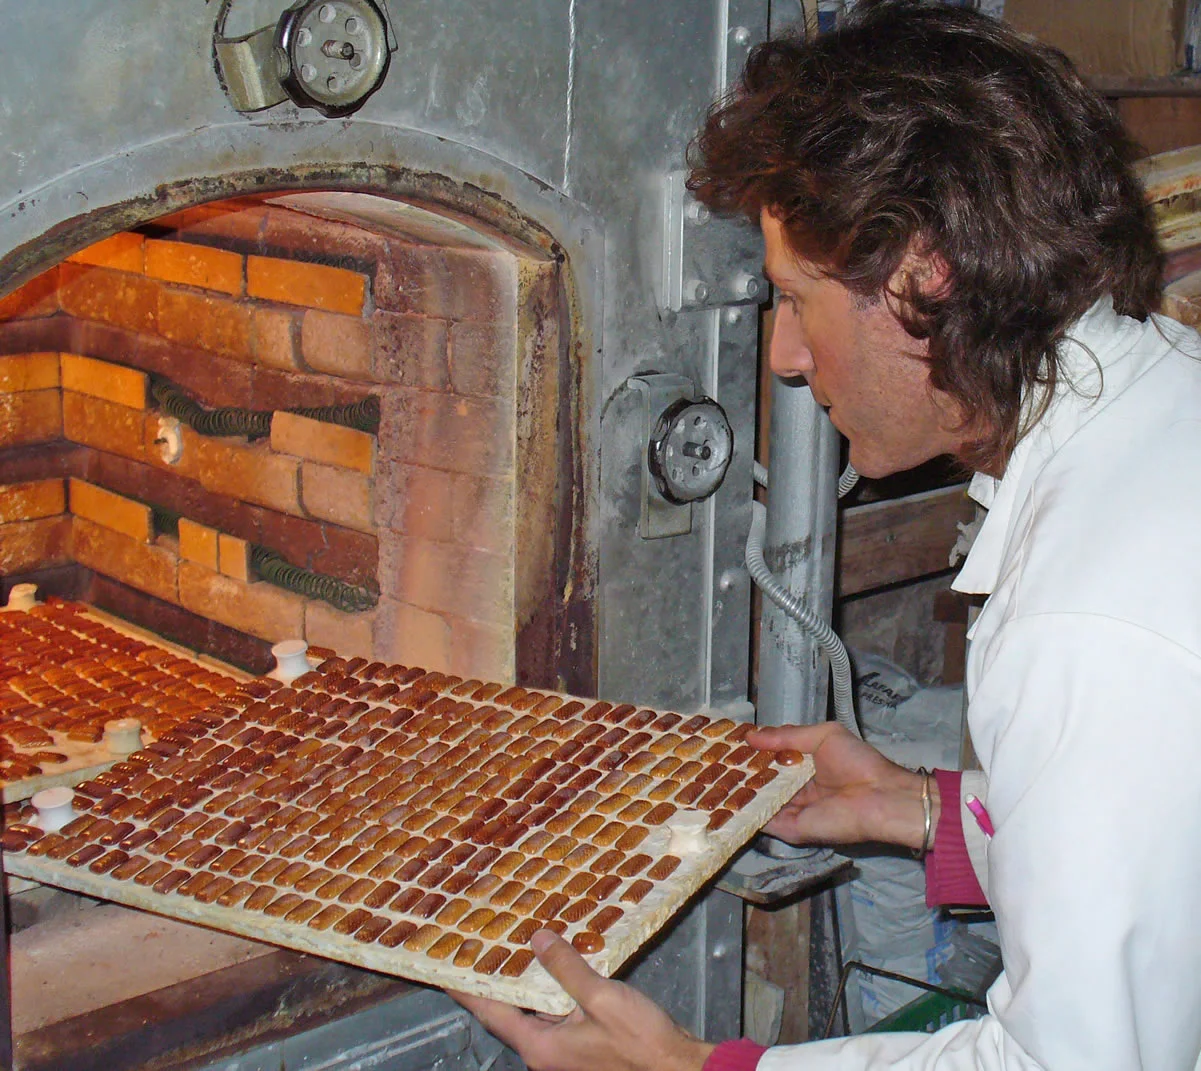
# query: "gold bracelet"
{"type": "Point", "coordinates": [927, 815]}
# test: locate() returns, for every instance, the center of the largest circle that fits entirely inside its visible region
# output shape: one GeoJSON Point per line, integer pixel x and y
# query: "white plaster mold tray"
{"type": "Point", "coordinates": [420, 825]}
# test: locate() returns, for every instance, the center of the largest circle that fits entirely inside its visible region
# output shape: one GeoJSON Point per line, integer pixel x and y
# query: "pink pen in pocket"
{"type": "Point", "coordinates": [980, 814]}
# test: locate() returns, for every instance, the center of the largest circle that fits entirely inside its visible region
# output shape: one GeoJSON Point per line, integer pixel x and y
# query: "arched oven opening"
{"type": "Point", "coordinates": [315, 413]}
{"type": "Point", "coordinates": [330, 416]}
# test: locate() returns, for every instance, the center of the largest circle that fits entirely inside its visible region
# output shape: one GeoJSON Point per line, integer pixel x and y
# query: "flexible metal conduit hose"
{"type": "Point", "coordinates": [846, 482]}
{"type": "Point", "coordinates": [275, 569]}
{"type": "Point", "coordinates": [825, 637]}
{"type": "Point", "coordinates": [221, 421]}
{"type": "Point", "coordinates": [363, 415]}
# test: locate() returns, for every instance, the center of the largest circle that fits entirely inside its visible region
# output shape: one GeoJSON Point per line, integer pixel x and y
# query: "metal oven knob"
{"type": "Point", "coordinates": [690, 450]}
{"type": "Point", "coordinates": [325, 54]}
{"type": "Point", "coordinates": [337, 53]}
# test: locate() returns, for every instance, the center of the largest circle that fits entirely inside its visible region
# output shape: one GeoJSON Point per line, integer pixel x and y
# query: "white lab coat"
{"type": "Point", "coordinates": [1084, 684]}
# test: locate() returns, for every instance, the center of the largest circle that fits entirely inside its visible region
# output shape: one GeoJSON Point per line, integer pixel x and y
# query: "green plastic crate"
{"type": "Point", "coordinates": [926, 1014]}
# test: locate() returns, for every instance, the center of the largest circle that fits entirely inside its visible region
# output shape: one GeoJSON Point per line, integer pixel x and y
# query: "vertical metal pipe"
{"type": "Point", "coordinates": [802, 505]}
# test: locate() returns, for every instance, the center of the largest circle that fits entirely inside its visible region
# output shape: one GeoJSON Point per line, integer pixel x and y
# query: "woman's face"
{"type": "Point", "coordinates": [860, 363]}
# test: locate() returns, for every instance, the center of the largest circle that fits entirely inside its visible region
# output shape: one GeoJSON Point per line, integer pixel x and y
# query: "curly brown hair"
{"type": "Point", "coordinates": [943, 132]}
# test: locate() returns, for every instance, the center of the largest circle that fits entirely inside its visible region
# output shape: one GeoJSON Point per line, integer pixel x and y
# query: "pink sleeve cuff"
{"type": "Point", "coordinates": [950, 878]}
{"type": "Point", "coordinates": [740, 1055]}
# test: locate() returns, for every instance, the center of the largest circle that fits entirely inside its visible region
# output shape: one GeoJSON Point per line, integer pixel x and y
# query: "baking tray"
{"type": "Point", "coordinates": [432, 824]}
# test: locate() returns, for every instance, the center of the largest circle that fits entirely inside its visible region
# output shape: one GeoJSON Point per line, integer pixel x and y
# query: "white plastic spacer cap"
{"type": "Point", "coordinates": [290, 660]}
{"type": "Point", "coordinates": [123, 736]}
{"type": "Point", "coordinates": [689, 832]}
{"type": "Point", "coordinates": [54, 807]}
{"type": "Point", "coordinates": [23, 597]}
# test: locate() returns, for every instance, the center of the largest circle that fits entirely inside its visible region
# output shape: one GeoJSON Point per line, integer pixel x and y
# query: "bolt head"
{"type": "Point", "coordinates": [744, 284]}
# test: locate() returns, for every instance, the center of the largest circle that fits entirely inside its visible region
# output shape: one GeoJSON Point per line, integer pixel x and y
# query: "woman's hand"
{"type": "Point", "coordinates": [613, 1027]}
{"type": "Point", "coordinates": [856, 794]}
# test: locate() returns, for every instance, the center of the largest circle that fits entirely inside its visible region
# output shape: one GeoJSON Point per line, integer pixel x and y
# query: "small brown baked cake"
{"type": "Point", "coordinates": [65, 674]}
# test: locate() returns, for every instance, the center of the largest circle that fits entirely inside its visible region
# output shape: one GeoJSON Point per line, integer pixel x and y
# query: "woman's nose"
{"type": "Point", "coordinates": [789, 356]}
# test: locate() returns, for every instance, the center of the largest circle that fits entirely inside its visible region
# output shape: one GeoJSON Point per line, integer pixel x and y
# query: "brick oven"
{"type": "Point", "coordinates": [433, 528]}
{"type": "Point", "coordinates": [381, 369]}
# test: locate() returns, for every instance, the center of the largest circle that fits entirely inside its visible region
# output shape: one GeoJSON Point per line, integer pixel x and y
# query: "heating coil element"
{"type": "Point", "coordinates": [363, 415]}
{"type": "Point", "coordinates": [277, 570]}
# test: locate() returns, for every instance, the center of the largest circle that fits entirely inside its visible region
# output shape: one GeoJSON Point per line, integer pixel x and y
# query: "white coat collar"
{"type": "Point", "coordinates": [1093, 374]}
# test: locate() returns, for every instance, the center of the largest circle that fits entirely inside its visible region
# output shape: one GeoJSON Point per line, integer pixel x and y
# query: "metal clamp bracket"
{"type": "Point", "coordinates": [708, 261]}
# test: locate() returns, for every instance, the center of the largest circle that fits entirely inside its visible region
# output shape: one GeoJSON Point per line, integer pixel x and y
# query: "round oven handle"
{"type": "Point", "coordinates": [690, 450]}
{"type": "Point", "coordinates": [329, 55]}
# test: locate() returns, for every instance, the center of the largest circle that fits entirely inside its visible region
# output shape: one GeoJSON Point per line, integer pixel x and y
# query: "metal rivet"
{"type": "Point", "coordinates": [745, 285]}
{"type": "Point", "coordinates": [696, 291]}
{"type": "Point", "coordinates": [697, 212]}
{"type": "Point", "coordinates": [740, 35]}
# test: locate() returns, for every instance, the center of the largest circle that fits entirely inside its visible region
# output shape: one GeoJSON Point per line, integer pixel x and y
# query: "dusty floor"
{"type": "Point", "coordinates": [96, 955]}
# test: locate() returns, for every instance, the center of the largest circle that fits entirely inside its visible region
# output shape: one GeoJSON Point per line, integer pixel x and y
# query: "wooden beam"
{"type": "Point", "coordinates": [1185, 84]}
{"type": "Point", "coordinates": [777, 948]}
{"type": "Point", "coordinates": [1159, 124]}
{"type": "Point", "coordinates": [902, 539]}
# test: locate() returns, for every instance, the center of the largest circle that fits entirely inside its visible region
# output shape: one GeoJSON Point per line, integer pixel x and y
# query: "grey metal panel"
{"type": "Point", "coordinates": [422, 1030]}
{"type": "Point", "coordinates": [735, 385]}
{"type": "Point", "coordinates": [722, 968]}
{"type": "Point", "coordinates": [491, 74]}
{"type": "Point", "coordinates": [634, 140]}
{"type": "Point", "coordinates": [695, 971]}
